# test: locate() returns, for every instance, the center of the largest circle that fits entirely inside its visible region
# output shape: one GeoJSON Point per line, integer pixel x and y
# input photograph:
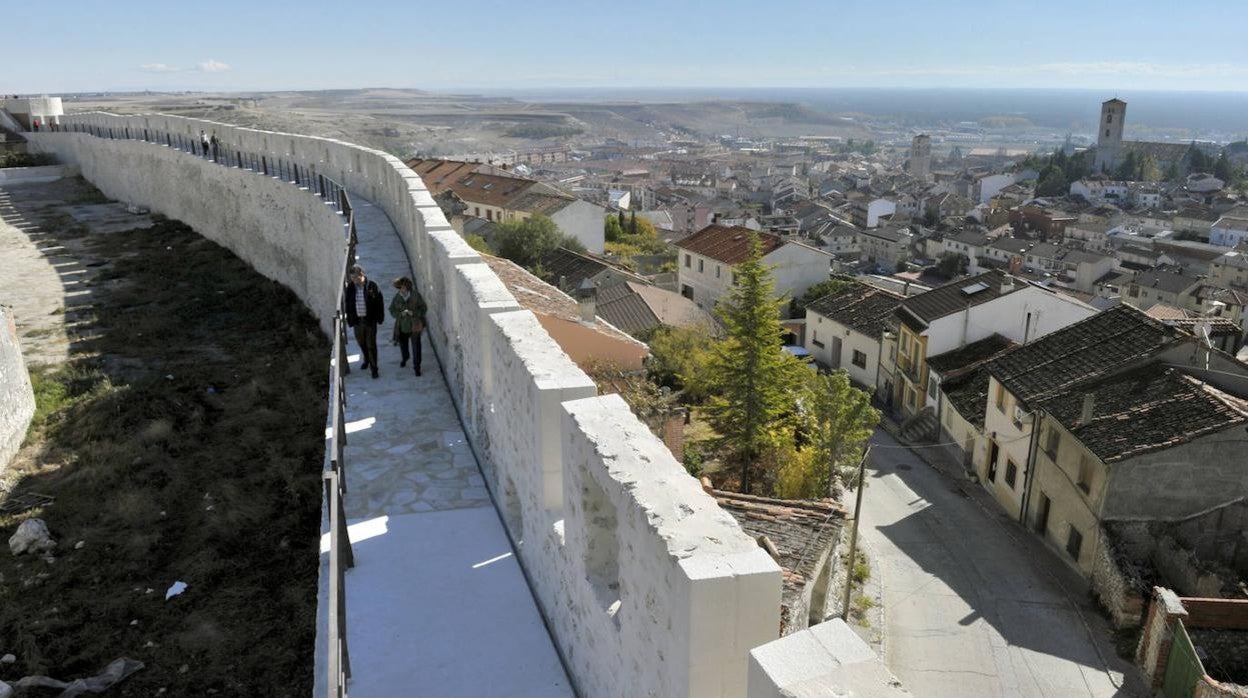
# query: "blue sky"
{"type": "Point", "coordinates": [229, 45]}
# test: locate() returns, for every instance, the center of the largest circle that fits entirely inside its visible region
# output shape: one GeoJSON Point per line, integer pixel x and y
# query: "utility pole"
{"type": "Point", "coordinates": [853, 537]}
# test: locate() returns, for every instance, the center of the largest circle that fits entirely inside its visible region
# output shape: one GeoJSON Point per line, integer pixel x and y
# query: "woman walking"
{"type": "Point", "coordinates": [408, 310]}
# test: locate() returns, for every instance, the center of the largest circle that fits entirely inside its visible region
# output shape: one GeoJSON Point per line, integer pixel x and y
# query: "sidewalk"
{"type": "Point", "coordinates": [436, 603]}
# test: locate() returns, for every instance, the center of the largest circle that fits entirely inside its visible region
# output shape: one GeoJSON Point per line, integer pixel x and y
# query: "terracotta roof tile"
{"type": "Point", "coordinates": [727, 244]}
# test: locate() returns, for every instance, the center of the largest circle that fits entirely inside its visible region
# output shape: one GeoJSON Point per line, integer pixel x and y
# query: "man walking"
{"type": "Point", "coordinates": [203, 144]}
{"type": "Point", "coordinates": [365, 310]}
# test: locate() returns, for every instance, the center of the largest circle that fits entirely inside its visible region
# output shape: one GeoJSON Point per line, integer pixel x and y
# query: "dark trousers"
{"type": "Point", "coordinates": [414, 352]}
{"type": "Point", "coordinates": [366, 337]}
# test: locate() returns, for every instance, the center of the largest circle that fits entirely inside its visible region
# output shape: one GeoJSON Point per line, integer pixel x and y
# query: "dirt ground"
{"type": "Point", "coordinates": [180, 434]}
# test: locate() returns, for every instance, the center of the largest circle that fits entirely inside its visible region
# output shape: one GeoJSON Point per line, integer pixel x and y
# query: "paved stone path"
{"type": "Point", "coordinates": [973, 605]}
{"type": "Point", "coordinates": [436, 604]}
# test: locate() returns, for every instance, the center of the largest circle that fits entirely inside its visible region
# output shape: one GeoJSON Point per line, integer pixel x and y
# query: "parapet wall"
{"type": "Point", "coordinates": [647, 586]}
{"type": "Point", "coordinates": [17, 400]}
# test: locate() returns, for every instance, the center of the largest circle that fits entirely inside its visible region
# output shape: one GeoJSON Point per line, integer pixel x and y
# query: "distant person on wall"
{"type": "Point", "coordinates": [408, 310]}
{"type": "Point", "coordinates": [35, 124]}
{"type": "Point", "coordinates": [216, 146]}
{"type": "Point", "coordinates": [365, 309]}
{"type": "Point", "coordinates": [203, 143]}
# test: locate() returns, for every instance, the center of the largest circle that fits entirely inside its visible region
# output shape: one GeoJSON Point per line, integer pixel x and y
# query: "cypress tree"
{"type": "Point", "coordinates": [755, 377]}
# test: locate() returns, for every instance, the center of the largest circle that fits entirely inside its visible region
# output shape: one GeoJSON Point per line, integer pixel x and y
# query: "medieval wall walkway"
{"type": "Point", "coordinates": [436, 603]}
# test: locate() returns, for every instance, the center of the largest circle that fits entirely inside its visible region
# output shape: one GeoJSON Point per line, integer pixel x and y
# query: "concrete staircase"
{"type": "Point", "coordinates": [921, 427]}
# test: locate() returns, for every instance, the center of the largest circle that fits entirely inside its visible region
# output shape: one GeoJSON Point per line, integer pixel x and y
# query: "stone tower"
{"type": "Point", "coordinates": [921, 157]}
{"type": "Point", "coordinates": [1109, 134]}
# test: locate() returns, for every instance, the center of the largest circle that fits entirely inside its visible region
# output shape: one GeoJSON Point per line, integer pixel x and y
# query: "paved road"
{"type": "Point", "coordinates": [969, 608]}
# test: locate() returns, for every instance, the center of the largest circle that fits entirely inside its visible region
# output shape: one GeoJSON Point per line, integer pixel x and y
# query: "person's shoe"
{"type": "Point", "coordinates": [363, 365]}
{"type": "Point", "coordinates": [403, 363]}
{"type": "Point", "coordinates": [374, 373]}
{"type": "Point", "coordinates": [418, 370]}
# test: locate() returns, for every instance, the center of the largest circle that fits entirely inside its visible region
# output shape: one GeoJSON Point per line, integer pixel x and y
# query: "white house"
{"type": "Point", "coordinates": [1229, 231]}
{"type": "Point", "coordinates": [950, 317]}
{"type": "Point", "coordinates": [843, 330]}
{"type": "Point", "coordinates": [988, 186]}
{"type": "Point", "coordinates": [708, 257]}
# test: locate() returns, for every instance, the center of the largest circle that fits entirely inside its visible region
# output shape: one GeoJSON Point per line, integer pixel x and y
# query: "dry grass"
{"type": "Point", "coordinates": [183, 441]}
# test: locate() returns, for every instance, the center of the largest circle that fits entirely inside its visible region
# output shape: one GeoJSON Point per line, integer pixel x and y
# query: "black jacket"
{"type": "Point", "coordinates": [373, 303]}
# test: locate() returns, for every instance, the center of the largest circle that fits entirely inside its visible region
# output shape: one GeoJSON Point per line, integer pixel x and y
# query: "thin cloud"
{"type": "Point", "coordinates": [212, 66]}
{"type": "Point", "coordinates": [158, 68]}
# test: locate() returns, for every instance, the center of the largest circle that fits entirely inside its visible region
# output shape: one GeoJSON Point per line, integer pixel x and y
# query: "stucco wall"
{"type": "Point", "coordinates": [35, 175]}
{"type": "Point", "coordinates": [573, 480]}
{"type": "Point", "coordinates": [17, 400]}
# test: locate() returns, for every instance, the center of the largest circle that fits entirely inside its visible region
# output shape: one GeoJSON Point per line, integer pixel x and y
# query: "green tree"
{"type": "Point", "coordinates": [754, 377]}
{"type": "Point", "coordinates": [836, 284]}
{"type": "Point", "coordinates": [1128, 167]}
{"type": "Point", "coordinates": [479, 244]}
{"type": "Point", "coordinates": [1222, 169]}
{"type": "Point", "coordinates": [619, 217]}
{"type": "Point", "coordinates": [1052, 182]}
{"type": "Point", "coordinates": [952, 264]}
{"type": "Point", "coordinates": [1147, 169]}
{"type": "Point", "coordinates": [837, 421]}
{"type": "Point", "coordinates": [632, 222]}
{"type": "Point", "coordinates": [612, 229]}
{"type": "Point", "coordinates": [1172, 172]}
{"type": "Point", "coordinates": [1198, 160]}
{"type": "Point", "coordinates": [680, 358]}
{"type": "Point", "coordinates": [526, 242]}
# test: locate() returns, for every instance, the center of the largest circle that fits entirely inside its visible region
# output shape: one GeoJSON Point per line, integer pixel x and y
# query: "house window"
{"type": "Point", "coordinates": [717, 271]}
{"type": "Point", "coordinates": [860, 359]}
{"type": "Point", "coordinates": [1074, 542]}
{"type": "Point", "coordinates": [489, 215]}
{"type": "Point", "coordinates": [701, 265]}
{"type": "Point", "coordinates": [688, 261]}
{"type": "Point", "coordinates": [892, 353]}
{"type": "Point", "coordinates": [687, 291]}
{"type": "Point", "coordinates": [1109, 119]}
{"type": "Point", "coordinates": [1106, 133]}
{"type": "Point", "coordinates": [1000, 398]}
{"type": "Point", "coordinates": [477, 211]}
{"type": "Point", "coordinates": [994, 451]}
{"type": "Point", "coordinates": [931, 387]}
{"type": "Point", "coordinates": [1085, 474]}
{"type": "Point", "coordinates": [1051, 440]}
{"type": "Point", "coordinates": [1011, 473]}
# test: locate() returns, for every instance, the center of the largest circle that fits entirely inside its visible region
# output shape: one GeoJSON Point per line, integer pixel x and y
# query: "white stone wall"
{"type": "Point", "coordinates": [286, 234]}
{"type": "Point", "coordinates": [17, 400]}
{"type": "Point", "coordinates": [583, 486]}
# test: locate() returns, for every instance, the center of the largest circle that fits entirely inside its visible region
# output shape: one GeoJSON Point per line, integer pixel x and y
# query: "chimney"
{"type": "Point", "coordinates": [587, 301]}
{"type": "Point", "coordinates": [1089, 407]}
{"type": "Point", "coordinates": [1007, 284]}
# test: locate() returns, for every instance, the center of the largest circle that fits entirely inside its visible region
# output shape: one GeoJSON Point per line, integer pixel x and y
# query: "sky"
{"type": "Point", "coordinates": [77, 46]}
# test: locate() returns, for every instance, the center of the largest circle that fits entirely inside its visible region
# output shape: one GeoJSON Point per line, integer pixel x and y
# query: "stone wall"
{"type": "Point", "coordinates": [1118, 590]}
{"type": "Point", "coordinates": [647, 586]}
{"type": "Point", "coordinates": [17, 400]}
{"type": "Point", "coordinates": [35, 175]}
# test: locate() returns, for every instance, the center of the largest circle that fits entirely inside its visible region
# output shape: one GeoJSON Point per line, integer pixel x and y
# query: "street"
{"type": "Point", "coordinates": [972, 605]}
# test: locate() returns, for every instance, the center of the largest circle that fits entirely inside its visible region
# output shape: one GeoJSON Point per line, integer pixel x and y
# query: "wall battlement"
{"type": "Point", "coordinates": [647, 586]}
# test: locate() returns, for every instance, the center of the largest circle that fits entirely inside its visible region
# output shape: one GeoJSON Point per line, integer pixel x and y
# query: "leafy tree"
{"type": "Point", "coordinates": [1052, 182]}
{"type": "Point", "coordinates": [952, 264]}
{"type": "Point", "coordinates": [527, 241]}
{"type": "Point", "coordinates": [836, 284]}
{"type": "Point", "coordinates": [479, 244]}
{"type": "Point", "coordinates": [838, 420]}
{"type": "Point", "coordinates": [1222, 169]}
{"type": "Point", "coordinates": [1128, 167]}
{"type": "Point", "coordinates": [1198, 160]}
{"type": "Point", "coordinates": [632, 222]}
{"type": "Point", "coordinates": [680, 358]}
{"type": "Point", "coordinates": [1172, 173]}
{"type": "Point", "coordinates": [612, 229]}
{"type": "Point", "coordinates": [755, 378]}
{"type": "Point", "coordinates": [619, 217]}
